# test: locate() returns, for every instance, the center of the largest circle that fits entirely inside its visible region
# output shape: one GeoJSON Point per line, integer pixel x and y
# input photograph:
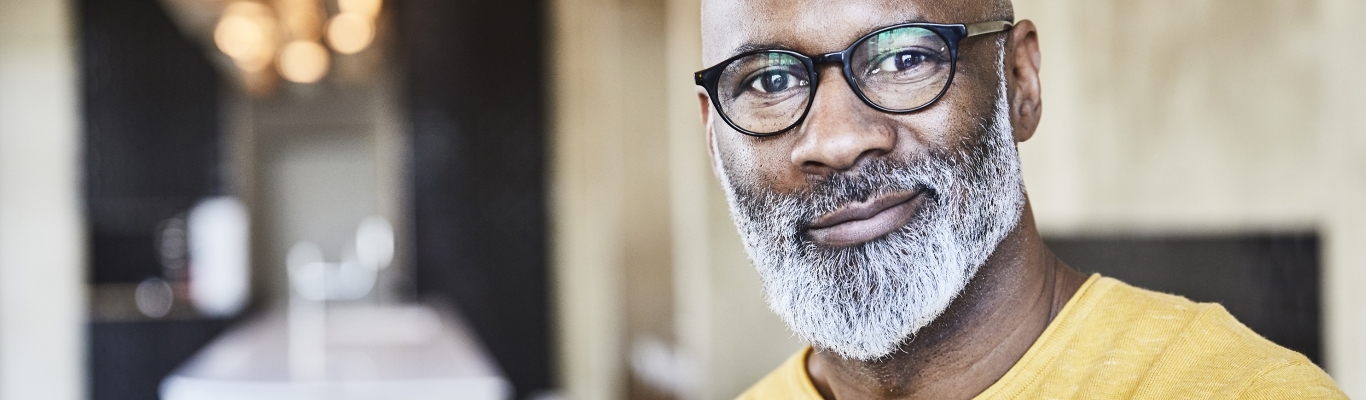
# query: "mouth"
{"type": "Point", "coordinates": [859, 222]}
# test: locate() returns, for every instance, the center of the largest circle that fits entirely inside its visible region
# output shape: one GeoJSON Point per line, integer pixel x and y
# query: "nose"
{"type": "Point", "coordinates": [840, 130]}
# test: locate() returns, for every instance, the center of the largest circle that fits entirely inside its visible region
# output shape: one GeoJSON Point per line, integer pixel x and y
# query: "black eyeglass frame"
{"type": "Point", "coordinates": [951, 33]}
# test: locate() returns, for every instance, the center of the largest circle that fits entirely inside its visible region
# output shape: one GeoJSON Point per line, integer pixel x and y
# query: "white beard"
{"type": "Point", "coordinates": [864, 301]}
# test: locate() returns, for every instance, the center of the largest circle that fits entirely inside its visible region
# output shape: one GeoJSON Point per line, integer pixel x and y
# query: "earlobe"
{"type": "Point", "coordinates": [704, 104]}
{"type": "Point", "coordinates": [1023, 65]}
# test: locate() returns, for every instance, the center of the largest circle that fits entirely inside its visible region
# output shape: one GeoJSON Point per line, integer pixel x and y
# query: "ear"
{"type": "Point", "coordinates": [704, 103]}
{"type": "Point", "coordinates": [1022, 63]}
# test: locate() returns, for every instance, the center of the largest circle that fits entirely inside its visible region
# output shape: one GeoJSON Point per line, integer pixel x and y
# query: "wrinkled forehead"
{"type": "Point", "coordinates": [817, 26]}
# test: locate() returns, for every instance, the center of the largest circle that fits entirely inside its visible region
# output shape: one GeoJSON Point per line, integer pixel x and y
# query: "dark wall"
{"type": "Point", "coordinates": [477, 95]}
{"type": "Point", "coordinates": [151, 131]}
{"type": "Point", "coordinates": [128, 359]}
{"type": "Point", "coordinates": [150, 100]}
{"type": "Point", "coordinates": [1270, 282]}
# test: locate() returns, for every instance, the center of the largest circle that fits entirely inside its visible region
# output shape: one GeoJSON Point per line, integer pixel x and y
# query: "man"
{"type": "Point", "coordinates": [868, 151]}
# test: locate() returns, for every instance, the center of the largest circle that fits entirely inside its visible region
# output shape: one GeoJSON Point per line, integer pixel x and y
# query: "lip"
{"type": "Point", "coordinates": [859, 222]}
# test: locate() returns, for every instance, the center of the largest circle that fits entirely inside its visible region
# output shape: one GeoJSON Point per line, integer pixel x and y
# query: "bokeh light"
{"type": "Point", "coordinates": [238, 36]}
{"type": "Point", "coordinates": [304, 61]}
{"type": "Point", "coordinates": [246, 33]}
{"type": "Point", "coordinates": [350, 32]}
{"type": "Point", "coordinates": [368, 8]}
{"type": "Point", "coordinates": [154, 297]}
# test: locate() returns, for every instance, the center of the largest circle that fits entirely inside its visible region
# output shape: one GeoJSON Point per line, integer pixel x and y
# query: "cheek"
{"type": "Point", "coordinates": [756, 162]}
{"type": "Point", "coordinates": [953, 122]}
{"type": "Point", "coordinates": [925, 131]}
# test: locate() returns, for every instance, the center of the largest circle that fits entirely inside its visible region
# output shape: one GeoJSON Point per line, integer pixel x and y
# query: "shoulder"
{"type": "Point", "coordinates": [1190, 349]}
{"type": "Point", "coordinates": [1113, 340]}
{"type": "Point", "coordinates": [1178, 328]}
{"type": "Point", "coordinates": [788, 381]}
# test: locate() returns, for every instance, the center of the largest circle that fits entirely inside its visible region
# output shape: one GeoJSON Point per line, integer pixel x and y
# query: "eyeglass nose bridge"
{"type": "Point", "coordinates": [838, 58]}
{"type": "Point", "coordinates": [827, 58]}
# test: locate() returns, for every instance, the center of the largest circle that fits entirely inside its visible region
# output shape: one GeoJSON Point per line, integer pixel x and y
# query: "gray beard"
{"type": "Point", "coordinates": [864, 301]}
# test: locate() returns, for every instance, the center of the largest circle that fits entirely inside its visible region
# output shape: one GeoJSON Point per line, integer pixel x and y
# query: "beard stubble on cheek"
{"type": "Point", "coordinates": [862, 301]}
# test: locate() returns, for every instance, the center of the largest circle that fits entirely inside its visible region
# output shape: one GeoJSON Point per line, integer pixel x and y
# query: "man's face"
{"type": "Point", "coordinates": [865, 225]}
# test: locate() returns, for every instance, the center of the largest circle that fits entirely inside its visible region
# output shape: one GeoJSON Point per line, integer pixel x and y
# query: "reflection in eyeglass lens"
{"type": "Point", "coordinates": [902, 68]}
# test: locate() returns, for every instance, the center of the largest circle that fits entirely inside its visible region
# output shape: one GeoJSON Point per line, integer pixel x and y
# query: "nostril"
{"type": "Point", "coordinates": [869, 154]}
{"type": "Point", "coordinates": [816, 168]}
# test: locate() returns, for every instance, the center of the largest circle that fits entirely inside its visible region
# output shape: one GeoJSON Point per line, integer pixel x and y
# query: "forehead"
{"type": "Point", "coordinates": [816, 26]}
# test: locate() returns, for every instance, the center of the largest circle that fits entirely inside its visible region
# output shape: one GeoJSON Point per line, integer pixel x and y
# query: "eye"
{"type": "Point", "coordinates": [901, 61]}
{"type": "Point", "coordinates": [776, 80]}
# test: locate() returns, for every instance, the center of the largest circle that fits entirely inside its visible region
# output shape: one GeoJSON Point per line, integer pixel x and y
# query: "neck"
{"type": "Point", "coordinates": [982, 334]}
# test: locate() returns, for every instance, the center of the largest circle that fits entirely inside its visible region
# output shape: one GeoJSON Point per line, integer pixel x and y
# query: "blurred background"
{"type": "Point", "coordinates": [211, 199]}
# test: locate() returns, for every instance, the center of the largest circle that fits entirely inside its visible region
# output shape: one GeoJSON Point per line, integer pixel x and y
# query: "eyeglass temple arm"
{"type": "Point", "coordinates": [982, 28]}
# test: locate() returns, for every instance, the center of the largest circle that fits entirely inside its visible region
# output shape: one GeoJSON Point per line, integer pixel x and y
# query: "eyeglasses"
{"type": "Point", "coordinates": [897, 69]}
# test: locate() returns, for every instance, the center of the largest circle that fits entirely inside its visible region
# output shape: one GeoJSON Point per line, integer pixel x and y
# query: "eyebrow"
{"type": "Point", "coordinates": [748, 47]}
{"type": "Point", "coordinates": [757, 46]}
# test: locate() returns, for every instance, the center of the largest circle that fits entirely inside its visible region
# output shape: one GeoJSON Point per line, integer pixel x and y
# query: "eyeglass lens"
{"type": "Point", "coordinates": [902, 69]}
{"type": "Point", "coordinates": [899, 69]}
{"type": "Point", "coordinates": [764, 92]}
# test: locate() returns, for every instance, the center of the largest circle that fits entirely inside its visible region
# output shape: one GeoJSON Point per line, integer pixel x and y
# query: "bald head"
{"type": "Point", "coordinates": [732, 25]}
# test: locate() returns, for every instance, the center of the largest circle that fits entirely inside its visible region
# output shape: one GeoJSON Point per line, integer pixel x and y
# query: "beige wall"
{"type": "Point", "coordinates": [1161, 116]}
{"type": "Point", "coordinates": [587, 196]}
{"type": "Point", "coordinates": [1176, 115]}
{"type": "Point", "coordinates": [41, 239]}
{"type": "Point", "coordinates": [1169, 116]}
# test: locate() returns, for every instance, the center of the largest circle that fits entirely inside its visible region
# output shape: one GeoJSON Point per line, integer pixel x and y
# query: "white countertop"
{"type": "Point", "coordinates": [345, 352]}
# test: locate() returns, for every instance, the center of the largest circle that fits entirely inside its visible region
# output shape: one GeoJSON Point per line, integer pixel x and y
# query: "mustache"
{"type": "Point", "coordinates": [873, 177]}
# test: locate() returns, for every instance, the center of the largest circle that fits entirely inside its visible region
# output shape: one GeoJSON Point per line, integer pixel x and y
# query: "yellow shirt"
{"type": "Point", "coordinates": [1113, 340]}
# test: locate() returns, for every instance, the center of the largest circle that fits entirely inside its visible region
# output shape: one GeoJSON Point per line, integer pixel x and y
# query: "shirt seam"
{"type": "Point", "coordinates": [1276, 366]}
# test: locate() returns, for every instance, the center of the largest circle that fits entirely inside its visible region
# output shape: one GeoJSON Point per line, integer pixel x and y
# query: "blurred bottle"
{"type": "Point", "coordinates": [219, 273]}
